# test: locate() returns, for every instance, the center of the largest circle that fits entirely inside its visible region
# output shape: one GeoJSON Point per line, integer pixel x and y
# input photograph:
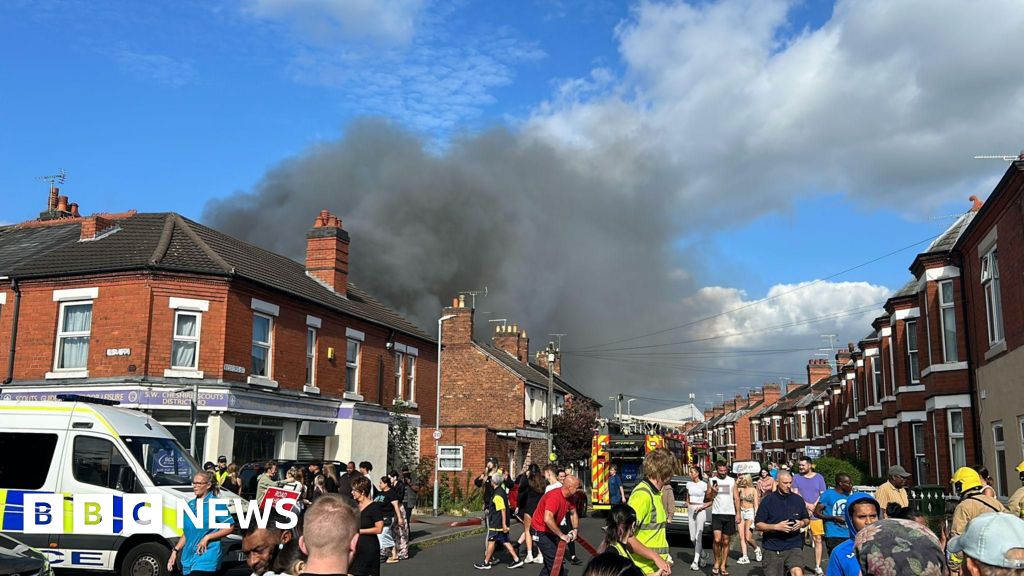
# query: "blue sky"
{"type": "Point", "coordinates": [790, 140]}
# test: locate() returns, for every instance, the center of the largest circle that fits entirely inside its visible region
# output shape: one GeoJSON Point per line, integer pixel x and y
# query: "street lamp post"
{"type": "Point", "coordinates": [437, 415]}
{"type": "Point", "coordinates": [193, 406]}
{"type": "Point", "coordinates": [629, 406]}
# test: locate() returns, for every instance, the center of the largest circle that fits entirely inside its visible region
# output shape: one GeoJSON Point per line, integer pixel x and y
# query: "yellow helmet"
{"type": "Point", "coordinates": [966, 479]}
{"type": "Point", "coordinates": [1020, 467]}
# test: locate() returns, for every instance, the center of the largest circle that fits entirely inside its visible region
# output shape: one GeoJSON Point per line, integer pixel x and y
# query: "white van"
{"type": "Point", "coordinates": [77, 447]}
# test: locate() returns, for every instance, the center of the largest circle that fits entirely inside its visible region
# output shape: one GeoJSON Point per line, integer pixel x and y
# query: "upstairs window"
{"type": "Point", "coordinates": [399, 378]}
{"type": "Point", "coordinates": [310, 356]}
{"type": "Point", "coordinates": [993, 304]}
{"type": "Point", "coordinates": [185, 345]}
{"type": "Point", "coordinates": [876, 379]}
{"type": "Point", "coordinates": [352, 365]}
{"type": "Point", "coordinates": [410, 378]}
{"type": "Point", "coordinates": [913, 363]}
{"type": "Point", "coordinates": [73, 336]}
{"type": "Point", "coordinates": [948, 320]}
{"type": "Point", "coordinates": [262, 345]}
{"type": "Point", "coordinates": [957, 444]}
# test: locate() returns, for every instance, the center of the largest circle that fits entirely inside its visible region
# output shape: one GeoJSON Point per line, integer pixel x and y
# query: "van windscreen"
{"type": "Point", "coordinates": [165, 461]}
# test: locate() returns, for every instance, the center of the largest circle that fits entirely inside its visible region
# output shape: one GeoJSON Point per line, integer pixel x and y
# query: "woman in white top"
{"type": "Point", "coordinates": [697, 503]}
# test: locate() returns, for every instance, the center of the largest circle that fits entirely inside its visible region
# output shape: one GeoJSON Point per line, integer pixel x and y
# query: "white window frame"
{"type": "Point", "coordinates": [803, 426]}
{"type": "Point", "coordinates": [311, 356]}
{"type": "Point", "coordinates": [61, 334]}
{"type": "Point", "coordinates": [954, 465]}
{"type": "Point", "coordinates": [269, 345]}
{"type": "Point", "coordinates": [196, 339]}
{"type": "Point", "coordinates": [920, 457]}
{"type": "Point", "coordinates": [756, 432]}
{"type": "Point", "coordinates": [912, 353]}
{"type": "Point", "coordinates": [856, 397]}
{"type": "Point", "coordinates": [410, 378]}
{"type": "Point", "coordinates": [999, 446]}
{"type": "Point", "coordinates": [399, 375]}
{"type": "Point", "coordinates": [881, 455]}
{"type": "Point", "coordinates": [944, 307]}
{"type": "Point", "coordinates": [876, 379]}
{"type": "Point", "coordinates": [993, 298]}
{"type": "Point", "coordinates": [353, 364]}
{"type": "Point", "coordinates": [449, 453]}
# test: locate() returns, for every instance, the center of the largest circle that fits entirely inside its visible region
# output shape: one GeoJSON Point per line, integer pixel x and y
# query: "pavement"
{"type": "Point", "coordinates": [456, 556]}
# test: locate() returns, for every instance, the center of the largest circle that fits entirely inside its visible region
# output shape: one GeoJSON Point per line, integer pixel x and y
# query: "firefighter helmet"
{"type": "Point", "coordinates": [966, 479]}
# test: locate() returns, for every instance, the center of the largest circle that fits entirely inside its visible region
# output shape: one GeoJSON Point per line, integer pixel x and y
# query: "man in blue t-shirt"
{"type": "Point", "coordinates": [831, 508]}
{"type": "Point", "coordinates": [861, 510]}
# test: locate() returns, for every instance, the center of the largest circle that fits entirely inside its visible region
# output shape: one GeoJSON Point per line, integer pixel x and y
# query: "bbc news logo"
{"type": "Point", "coordinates": [143, 513]}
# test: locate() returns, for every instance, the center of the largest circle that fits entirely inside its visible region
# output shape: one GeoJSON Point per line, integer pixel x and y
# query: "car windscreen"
{"type": "Point", "coordinates": [165, 461]}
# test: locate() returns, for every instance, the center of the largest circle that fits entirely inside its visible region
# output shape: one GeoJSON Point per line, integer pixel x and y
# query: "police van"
{"type": "Point", "coordinates": [88, 447]}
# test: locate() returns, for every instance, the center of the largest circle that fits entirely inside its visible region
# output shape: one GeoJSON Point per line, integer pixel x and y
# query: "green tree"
{"type": "Point", "coordinates": [402, 439]}
{"type": "Point", "coordinates": [573, 430]}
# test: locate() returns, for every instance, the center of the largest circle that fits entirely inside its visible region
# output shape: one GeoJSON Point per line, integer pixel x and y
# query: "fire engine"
{"type": "Point", "coordinates": [625, 444]}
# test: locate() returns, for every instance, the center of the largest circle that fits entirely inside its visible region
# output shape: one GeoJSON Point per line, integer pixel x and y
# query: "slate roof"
{"type": "Point", "coordinates": [947, 240]}
{"type": "Point", "coordinates": [170, 242]}
{"type": "Point", "coordinates": [529, 372]}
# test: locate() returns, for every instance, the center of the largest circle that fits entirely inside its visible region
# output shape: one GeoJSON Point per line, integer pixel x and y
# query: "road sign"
{"type": "Point", "coordinates": [813, 452]}
{"type": "Point", "coordinates": [437, 434]}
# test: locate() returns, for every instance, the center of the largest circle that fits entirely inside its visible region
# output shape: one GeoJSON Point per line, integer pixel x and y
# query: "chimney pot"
{"type": "Point", "coordinates": [462, 300]}
{"type": "Point", "coordinates": [62, 203]}
{"type": "Point", "coordinates": [74, 210]}
{"type": "Point", "coordinates": [51, 203]}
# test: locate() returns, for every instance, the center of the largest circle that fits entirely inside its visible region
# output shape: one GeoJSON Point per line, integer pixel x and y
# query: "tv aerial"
{"type": "Point", "coordinates": [474, 293]}
{"type": "Point", "coordinates": [53, 179]}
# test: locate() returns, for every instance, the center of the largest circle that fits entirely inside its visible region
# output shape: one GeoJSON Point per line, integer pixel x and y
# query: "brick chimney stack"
{"type": "Point", "coordinates": [817, 370]}
{"type": "Point", "coordinates": [792, 386]}
{"type": "Point", "coordinates": [512, 340]}
{"type": "Point", "coordinates": [542, 360]}
{"type": "Point", "coordinates": [772, 392]}
{"type": "Point", "coordinates": [458, 329]}
{"type": "Point", "coordinates": [93, 226]}
{"type": "Point", "coordinates": [327, 252]}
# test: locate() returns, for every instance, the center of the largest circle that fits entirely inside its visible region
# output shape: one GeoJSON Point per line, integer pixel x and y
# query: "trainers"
{"type": "Point", "coordinates": [743, 560]}
{"type": "Point", "coordinates": [517, 564]}
{"type": "Point", "coordinates": [538, 559]}
{"type": "Point", "coordinates": [818, 570]}
{"type": "Point", "coordinates": [482, 566]}
{"type": "Point", "coordinates": [494, 561]}
{"type": "Point", "coordinates": [575, 561]}
{"type": "Point", "coordinates": [694, 566]}
{"type": "Point", "coordinates": [757, 554]}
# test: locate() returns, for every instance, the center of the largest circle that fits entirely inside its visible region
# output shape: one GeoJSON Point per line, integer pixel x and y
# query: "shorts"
{"type": "Point", "coordinates": [724, 523]}
{"type": "Point", "coordinates": [498, 537]}
{"type": "Point", "coordinates": [817, 527]}
{"type": "Point", "coordinates": [747, 514]}
{"type": "Point", "coordinates": [780, 563]}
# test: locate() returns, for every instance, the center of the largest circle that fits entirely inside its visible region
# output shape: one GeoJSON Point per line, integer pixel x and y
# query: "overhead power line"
{"type": "Point", "coordinates": [762, 300]}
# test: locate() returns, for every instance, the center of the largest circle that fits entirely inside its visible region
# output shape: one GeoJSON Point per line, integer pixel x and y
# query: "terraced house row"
{"type": "Point", "coordinates": [934, 384]}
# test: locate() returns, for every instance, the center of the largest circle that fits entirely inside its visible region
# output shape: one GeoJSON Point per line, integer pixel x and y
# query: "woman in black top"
{"type": "Point", "coordinates": [531, 488]}
{"type": "Point", "coordinates": [366, 561]}
{"type": "Point", "coordinates": [391, 503]}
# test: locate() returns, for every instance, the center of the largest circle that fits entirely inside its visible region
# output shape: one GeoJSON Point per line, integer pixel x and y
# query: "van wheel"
{"type": "Point", "coordinates": [147, 559]}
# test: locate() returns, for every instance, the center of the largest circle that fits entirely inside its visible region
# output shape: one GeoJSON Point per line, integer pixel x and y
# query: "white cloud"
{"type": "Point", "coordinates": [156, 67]}
{"type": "Point", "coordinates": [877, 103]}
{"type": "Point", "coordinates": [327, 21]}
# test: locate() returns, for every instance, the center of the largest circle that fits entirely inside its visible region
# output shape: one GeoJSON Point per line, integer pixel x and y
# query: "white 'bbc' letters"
{"type": "Point", "coordinates": [43, 513]}
{"type": "Point", "coordinates": [93, 514]}
{"type": "Point", "coordinates": [143, 514]}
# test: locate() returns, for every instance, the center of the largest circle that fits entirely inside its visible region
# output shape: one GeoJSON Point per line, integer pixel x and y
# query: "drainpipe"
{"type": "Point", "coordinates": [14, 331]}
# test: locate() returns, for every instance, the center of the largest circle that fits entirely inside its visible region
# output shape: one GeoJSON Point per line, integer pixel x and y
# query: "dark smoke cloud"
{"type": "Point", "coordinates": [561, 250]}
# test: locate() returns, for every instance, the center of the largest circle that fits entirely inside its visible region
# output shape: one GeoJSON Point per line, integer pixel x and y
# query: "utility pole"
{"type": "Point", "coordinates": [552, 352]}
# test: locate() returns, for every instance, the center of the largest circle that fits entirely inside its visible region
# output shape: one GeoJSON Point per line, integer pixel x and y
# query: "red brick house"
{"type": "Point", "coordinates": [493, 399]}
{"type": "Point", "coordinates": [289, 360]}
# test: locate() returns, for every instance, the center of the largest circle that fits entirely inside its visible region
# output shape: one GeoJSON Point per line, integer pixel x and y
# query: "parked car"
{"type": "Point", "coordinates": [17, 558]}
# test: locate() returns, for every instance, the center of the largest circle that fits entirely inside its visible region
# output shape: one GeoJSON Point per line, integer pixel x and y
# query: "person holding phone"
{"type": "Point", "coordinates": [780, 518]}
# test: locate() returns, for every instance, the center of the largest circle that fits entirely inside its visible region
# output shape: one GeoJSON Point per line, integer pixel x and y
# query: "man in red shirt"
{"type": "Point", "coordinates": [553, 507]}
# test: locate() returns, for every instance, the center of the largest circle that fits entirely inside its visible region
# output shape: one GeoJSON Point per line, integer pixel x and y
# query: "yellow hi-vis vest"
{"type": "Point", "coordinates": [651, 519]}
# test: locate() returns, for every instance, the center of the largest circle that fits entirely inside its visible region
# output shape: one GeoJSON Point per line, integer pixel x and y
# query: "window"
{"type": "Point", "coordinates": [920, 455]}
{"type": "Point", "coordinates": [856, 397]}
{"type": "Point", "coordinates": [1000, 445]}
{"type": "Point", "coordinates": [352, 366]}
{"type": "Point", "coordinates": [310, 356]}
{"type": "Point", "coordinates": [876, 379]}
{"type": "Point", "coordinates": [957, 446]}
{"type": "Point", "coordinates": [450, 458]}
{"type": "Point", "coordinates": [948, 320]}
{"type": "Point", "coordinates": [399, 379]}
{"type": "Point", "coordinates": [913, 364]}
{"type": "Point", "coordinates": [803, 426]}
{"type": "Point", "coordinates": [73, 336]}
{"type": "Point", "coordinates": [96, 461]}
{"type": "Point", "coordinates": [756, 431]}
{"type": "Point", "coordinates": [185, 345]}
{"type": "Point", "coordinates": [993, 304]}
{"type": "Point", "coordinates": [410, 378]}
{"type": "Point", "coordinates": [262, 345]}
{"type": "Point", "coordinates": [32, 452]}
{"type": "Point", "coordinates": [882, 459]}
{"type": "Point", "coordinates": [776, 422]}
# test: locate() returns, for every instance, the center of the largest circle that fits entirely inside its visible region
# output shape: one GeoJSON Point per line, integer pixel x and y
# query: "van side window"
{"type": "Point", "coordinates": [96, 461]}
{"type": "Point", "coordinates": [29, 455]}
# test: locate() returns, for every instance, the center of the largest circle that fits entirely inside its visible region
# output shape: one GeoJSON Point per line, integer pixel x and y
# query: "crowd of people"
{"type": "Point", "coordinates": [349, 525]}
